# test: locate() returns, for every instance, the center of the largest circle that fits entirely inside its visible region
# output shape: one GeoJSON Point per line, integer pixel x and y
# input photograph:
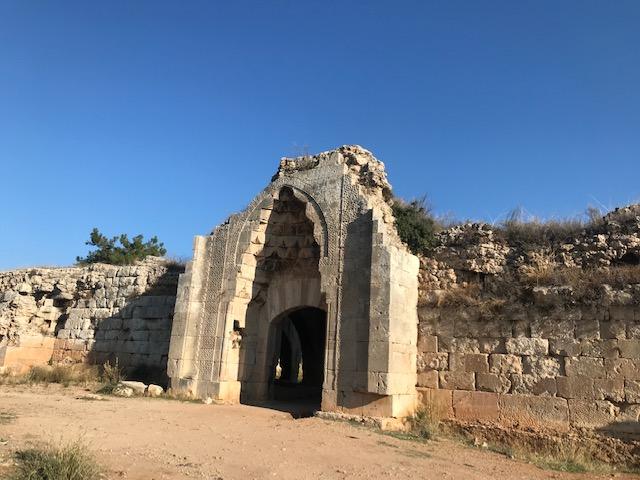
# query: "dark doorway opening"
{"type": "Point", "coordinates": [298, 364]}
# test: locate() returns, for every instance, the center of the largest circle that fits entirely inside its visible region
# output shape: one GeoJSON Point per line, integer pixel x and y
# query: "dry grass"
{"type": "Point", "coordinates": [77, 374]}
{"type": "Point", "coordinates": [525, 231]}
{"type": "Point", "coordinates": [74, 374]}
{"type": "Point", "coordinates": [470, 294]}
{"type": "Point", "coordinates": [112, 374]}
{"type": "Point", "coordinates": [565, 456]}
{"type": "Point", "coordinates": [64, 374]}
{"type": "Point", "coordinates": [426, 423]}
{"type": "Point", "coordinates": [49, 462]}
{"type": "Point", "coordinates": [585, 282]}
{"type": "Point", "coordinates": [6, 417]}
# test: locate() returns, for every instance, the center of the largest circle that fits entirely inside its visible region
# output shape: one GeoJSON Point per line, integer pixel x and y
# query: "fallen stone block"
{"type": "Point", "coordinates": [154, 390]}
{"type": "Point", "coordinates": [137, 387]}
{"type": "Point", "coordinates": [122, 391]}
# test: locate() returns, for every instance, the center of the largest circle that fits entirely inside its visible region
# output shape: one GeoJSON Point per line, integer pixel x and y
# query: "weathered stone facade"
{"type": "Point", "coordinates": [534, 337]}
{"type": "Point", "coordinates": [320, 236]}
{"type": "Point", "coordinates": [94, 313]}
{"type": "Point", "coordinates": [309, 291]}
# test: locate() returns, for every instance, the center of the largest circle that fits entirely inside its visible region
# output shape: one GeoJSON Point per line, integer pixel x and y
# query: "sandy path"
{"type": "Point", "coordinates": [143, 438]}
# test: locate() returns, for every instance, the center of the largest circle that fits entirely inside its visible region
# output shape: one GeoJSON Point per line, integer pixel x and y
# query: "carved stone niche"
{"type": "Point", "coordinates": [306, 295]}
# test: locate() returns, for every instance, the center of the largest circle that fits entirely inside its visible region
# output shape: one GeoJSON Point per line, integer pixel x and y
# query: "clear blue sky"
{"type": "Point", "coordinates": [163, 118]}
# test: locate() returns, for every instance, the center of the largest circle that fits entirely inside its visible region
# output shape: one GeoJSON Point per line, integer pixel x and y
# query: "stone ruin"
{"type": "Point", "coordinates": [312, 279]}
{"type": "Point", "coordinates": [309, 295]}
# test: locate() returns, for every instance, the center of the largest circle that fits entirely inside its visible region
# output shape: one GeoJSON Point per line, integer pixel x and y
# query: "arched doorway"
{"type": "Point", "coordinates": [298, 339]}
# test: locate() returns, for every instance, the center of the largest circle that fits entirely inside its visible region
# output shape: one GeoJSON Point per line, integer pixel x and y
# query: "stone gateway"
{"type": "Point", "coordinates": [308, 293]}
{"type": "Point", "coordinates": [310, 296]}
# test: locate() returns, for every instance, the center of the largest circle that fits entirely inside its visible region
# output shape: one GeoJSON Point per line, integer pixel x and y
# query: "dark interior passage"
{"type": "Point", "coordinates": [299, 366]}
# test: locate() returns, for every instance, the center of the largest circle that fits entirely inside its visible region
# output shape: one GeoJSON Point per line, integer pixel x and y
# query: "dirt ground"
{"type": "Point", "coordinates": [143, 438]}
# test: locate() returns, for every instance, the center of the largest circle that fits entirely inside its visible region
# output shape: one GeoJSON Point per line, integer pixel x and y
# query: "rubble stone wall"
{"type": "Point", "coordinates": [507, 338]}
{"type": "Point", "coordinates": [94, 313]}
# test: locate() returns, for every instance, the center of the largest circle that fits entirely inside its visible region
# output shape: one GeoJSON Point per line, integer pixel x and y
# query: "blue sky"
{"type": "Point", "coordinates": [163, 118]}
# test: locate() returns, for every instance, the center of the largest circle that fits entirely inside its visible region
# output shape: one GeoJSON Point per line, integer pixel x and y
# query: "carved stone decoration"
{"type": "Point", "coordinates": [318, 245]}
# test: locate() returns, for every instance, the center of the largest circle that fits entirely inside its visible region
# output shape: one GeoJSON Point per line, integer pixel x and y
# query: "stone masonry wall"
{"type": "Point", "coordinates": [508, 338]}
{"type": "Point", "coordinates": [93, 314]}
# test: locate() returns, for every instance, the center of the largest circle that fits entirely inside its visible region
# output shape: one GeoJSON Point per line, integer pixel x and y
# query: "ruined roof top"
{"type": "Point", "coordinates": [368, 170]}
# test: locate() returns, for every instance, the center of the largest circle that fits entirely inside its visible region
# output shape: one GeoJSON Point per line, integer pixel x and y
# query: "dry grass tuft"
{"type": "Point", "coordinates": [64, 374]}
{"type": "Point", "coordinates": [471, 294]}
{"type": "Point", "coordinates": [6, 417]}
{"type": "Point", "coordinates": [565, 456]}
{"type": "Point", "coordinates": [585, 282]}
{"type": "Point", "coordinates": [77, 374]}
{"type": "Point", "coordinates": [112, 374]}
{"type": "Point", "coordinates": [425, 423]}
{"type": "Point", "coordinates": [49, 462]}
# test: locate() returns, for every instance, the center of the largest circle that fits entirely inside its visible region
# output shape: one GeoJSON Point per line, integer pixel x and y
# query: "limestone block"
{"type": "Point", "coordinates": [526, 411]}
{"type": "Point", "coordinates": [427, 343]}
{"type": "Point", "coordinates": [491, 345]}
{"type": "Point", "coordinates": [591, 413]}
{"type": "Point", "coordinates": [438, 401]}
{"type": "Point", "coordinates": [63, 333]}
{"type": "Point", "coordinates": [465, 321]}
{"type": "Point", "coordinates": [475, 406]}
{"type": "Point", "coordinates": [428, 378]}
{"type": "Point", "coordinates": [613, 329]}
{"type": "Point", "coordinates": [154, 390]}
{"type": "Point", "coordinates": [600, 348]}
{"type": "Point", "coordinates": [456, 361]}
{"type": "Point", "coordinates": [464, 345]}
{"type": "Point", "coordinates": [490, 382]}
{"type": "Point", "coordinates": [632, 391]}
{"type": "Point", "coordinates": [432, 361]}
{"type": "Point", "coordinates": [140, 336]}
{"type": "Point", "coordinates": [629, 348]}
{"type": "Point", "coordinates": [541, 366]}
{"type": "Point", "coordinates": [622, 314]}
{"type": "Point", "coordinates": [609, 389]}
{"type": "Point", "coordinates": [457, 380]}
{"type": "Point", "coordinates": [137, 387]}
{"type": "Point", "coordinates": [527, 346]}
{"type": "Point", "coordinates": [112, 334]}
{"type": "Point", "coordinates": [575, 387]}
{"type": "Point", "coordinates": [522, 384]}
{"type": "Point", "coordinates": [122, 391]}
{"type": "Point", "coordinates": [546, 386]}
{"type": "Point", "coordinates": [588, 328]}
{"type": "Point", "coordinates": [585, 366]}
{"type": "Point", "coordinates": [625, 367]}
{"type": "Point", "coordinates": [503, 364]}
{"type": "Point", "coordinates": [476, 362]}
{"type": "Point", "coordinates": [564, 347]}
{"type": "Point", "coordinates": [633, 329]}
{"type": "Point", "coordinates": [85, 334]}
{"type": "Point", "coordinates": [552, 327]}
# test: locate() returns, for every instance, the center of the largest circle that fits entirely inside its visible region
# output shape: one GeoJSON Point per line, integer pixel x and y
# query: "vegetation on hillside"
{"type": "Point", "coordinates": [126, 253]}
{"type": "Point", "coordinates": [416, 225]}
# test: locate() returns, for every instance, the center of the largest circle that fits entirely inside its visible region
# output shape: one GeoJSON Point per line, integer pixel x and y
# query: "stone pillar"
{"type": "Point", "coordinates": [393, 323]}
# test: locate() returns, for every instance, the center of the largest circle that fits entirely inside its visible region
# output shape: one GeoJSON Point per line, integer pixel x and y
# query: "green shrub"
{"type": "Point", "coordinates": [415, 225]}
{"type": "Point", "coordinates": [68, 462]}
{"type": "Point", "coordinates": [127, 253]}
